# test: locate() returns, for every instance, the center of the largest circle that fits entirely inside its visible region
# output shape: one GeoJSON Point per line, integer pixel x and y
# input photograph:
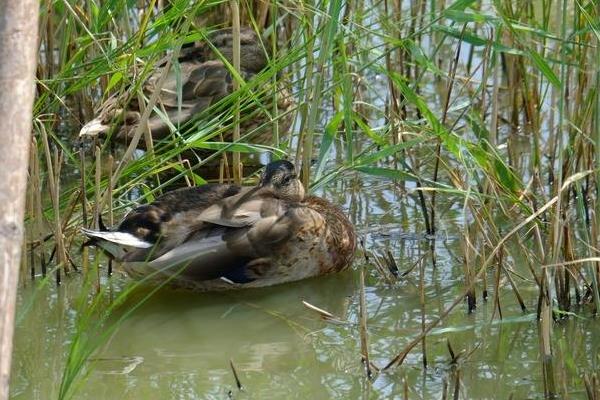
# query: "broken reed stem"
{"type": "Point", "coordinates": [364, 339]}
{"type": "Point", "coordinates": [51, 165]}
{"type": "Point", "coordinates": [515, 289]}
{"type": "Point", "coordinates": [235, 28]}
{"type": "Point", "coordinates": [238, 383]}
{"type": "Point", "coordinates": [324, 314]}
{"type": "Point", "coordinates": [185, 164]}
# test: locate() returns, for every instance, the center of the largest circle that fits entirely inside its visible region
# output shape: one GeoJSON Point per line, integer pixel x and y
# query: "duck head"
{"type": "Point", "coordinates": [280, 176]}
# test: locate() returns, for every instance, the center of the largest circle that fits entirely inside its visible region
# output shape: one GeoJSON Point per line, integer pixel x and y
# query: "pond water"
{"type": "Point", "coordinates": [179, 344]}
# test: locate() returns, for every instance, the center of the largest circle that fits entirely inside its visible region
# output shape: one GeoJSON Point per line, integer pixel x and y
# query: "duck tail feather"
{"type": "Point", "coordinates": [115, 244]}
{"type": "Point", "coordinates": [116, 237]}
{"type": "Point", "coordinates": [93, 129]}
{"type": "Point", "coordinates": [101, 225]}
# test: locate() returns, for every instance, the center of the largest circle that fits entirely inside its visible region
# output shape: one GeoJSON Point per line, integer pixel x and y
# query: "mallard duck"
{"type": "Point", "coordinates": [204, 80]}
{"type": "Point", "coordinates": [221, 236]}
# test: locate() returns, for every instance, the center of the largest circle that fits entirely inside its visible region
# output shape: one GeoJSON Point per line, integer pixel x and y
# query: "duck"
{"type": "Point", "coordinates": [227, 236]}
{"type": "Point", "coordinates": [204, 80]}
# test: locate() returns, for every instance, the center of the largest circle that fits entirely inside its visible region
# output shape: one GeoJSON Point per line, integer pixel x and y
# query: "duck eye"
{"type": "Point", "coordinates": [286, 179]}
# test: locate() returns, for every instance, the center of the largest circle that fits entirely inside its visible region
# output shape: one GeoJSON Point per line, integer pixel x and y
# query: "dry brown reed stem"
{"type": "Point", "coordinates": [545, 326]}
{"type": "Point", "coordinates": [51, 166]}
{"type": "Point", "coordinates": [444, 388]}
{"type": "Point", "coordinates": [60, 240]}
{"type": "Point", "coordinates": [515, 289]}
{"type": "Point", "coordinates": [467, 251]}
{"type": "Point", "coordinates": [109, 166]}
{"type": "Point", "coordinates": [364, 336]}
{"type": "Point", "coordinates": [497, 306]}
{"type": "Point", "coordinates": [438, 150]}
{"type": "Point", "coordinates": [235, 15]}
{"type": "Point", "coordinates": [31, 211]}
{"type": "Point", "coordinates": [97, 208]}
{"type": "Point", "coordinates": [84, 211]}
{"type": "Point", "coordinates": [72, 204]}
{"type": "Point", "coordinates": [82, 187]}
{"type": "Point", "coordinates": [456, 384]}
{"type": "Point", "coordinates": [222, 170]}
{"type": "Point", "coordinates": [423, 313]}
{"type": "Point", "coordinates": [591, 387]}
{"type": "Point", "coordinates": [39, 215]}
{"type": "Point", "coordinates": [110, 204]}
{"type": "Point", "coordinates": [97, 179]}
{"type": "Point", "coordinates": [572, 262]}
{"type": "Point", "coordinates": [398, 359]}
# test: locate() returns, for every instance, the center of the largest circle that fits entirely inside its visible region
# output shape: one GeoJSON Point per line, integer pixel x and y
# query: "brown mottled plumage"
{"type": "Point", "coordinates": [204, 80]}
{"type": "Point", "coordinates": [226, 236]}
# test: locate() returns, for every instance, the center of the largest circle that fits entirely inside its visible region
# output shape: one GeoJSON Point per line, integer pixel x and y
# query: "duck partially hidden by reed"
{"type": "Point", "coordinates": [200, 81]}
{"type": "Point", "coordinates": [221, 236]}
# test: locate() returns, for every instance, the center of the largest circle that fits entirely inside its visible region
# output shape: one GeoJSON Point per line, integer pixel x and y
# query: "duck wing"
{"type": "Point", "coordinates": [155, 228]}
{"type": "Point", "coordinates": [186, 92]}
{"type": "Point", "coordinates": [201, 84]}
{"type": "Point", "coordinates": [231, 244]}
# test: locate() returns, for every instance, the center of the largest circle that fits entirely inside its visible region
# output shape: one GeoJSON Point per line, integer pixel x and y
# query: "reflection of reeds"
{"type": "Point", "coordinates": [592, 386]}
{"type": "Point", "coordinates": [238, 383]}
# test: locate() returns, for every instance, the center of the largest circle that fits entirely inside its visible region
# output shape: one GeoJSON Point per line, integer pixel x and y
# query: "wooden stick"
{"type": "Point", "coordinates": [18, 55]}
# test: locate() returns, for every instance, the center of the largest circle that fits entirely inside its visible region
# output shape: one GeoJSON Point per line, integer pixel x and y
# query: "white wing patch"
{"type": "Point", "coordinates": [121, 238]}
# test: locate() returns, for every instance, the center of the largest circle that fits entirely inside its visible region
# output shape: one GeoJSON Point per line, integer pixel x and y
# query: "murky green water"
{"type": "Point", "coordinates": [179, 344]}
